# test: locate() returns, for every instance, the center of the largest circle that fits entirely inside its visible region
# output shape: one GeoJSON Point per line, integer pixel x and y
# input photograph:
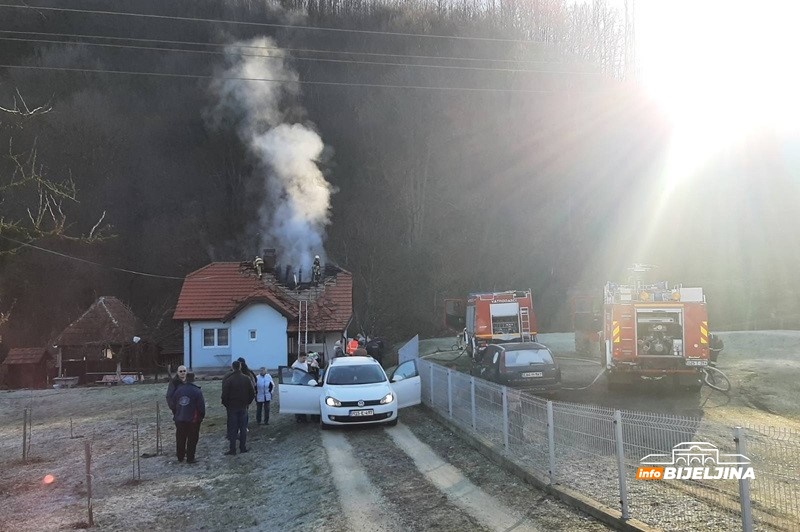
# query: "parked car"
{"type": "Point", "coordinates": [354, 390]}
{"type": "Point", "coordinates": [527, 365]}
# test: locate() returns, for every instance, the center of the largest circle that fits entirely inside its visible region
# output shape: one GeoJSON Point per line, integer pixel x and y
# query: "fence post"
{"type": "Point", "coordinates": [431, 366]}
{"type": "Point", "coordinates": [505, 416]}
{"type": "Point", "coordinates": [744, 483]}
{"type": "Point", "coordinates": [551, 441]}
{"type": "Point", "coordinates": [472, 398]}
{"type": "Point", "coordinates": [158, 428]}
{"type": "Point", "coordinates": [25, 434]}
{"type": "Point", "coordinates": [88, 448]}
{"type": "Point", "coordinates": [450, 392]}
{"type": "Point", "coordinates": [623, 486]}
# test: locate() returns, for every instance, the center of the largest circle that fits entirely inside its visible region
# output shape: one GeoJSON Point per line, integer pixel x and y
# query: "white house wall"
{"type": "Point", "coordinates": [270, 346]}
{"type": "Point", "coordinates": [268, 349]}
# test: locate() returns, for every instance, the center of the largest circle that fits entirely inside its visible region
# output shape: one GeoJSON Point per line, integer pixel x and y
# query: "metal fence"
{"type": "Point", "coordinates": [597, 451]}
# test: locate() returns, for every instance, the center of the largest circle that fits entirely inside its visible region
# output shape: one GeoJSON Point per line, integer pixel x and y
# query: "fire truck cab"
{"type": "Point", "coordinates": [498, 317]}
{"type": "Point", "coordinates": [652, 332]}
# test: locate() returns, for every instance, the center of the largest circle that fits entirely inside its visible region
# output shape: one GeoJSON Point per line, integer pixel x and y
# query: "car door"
{"type": "Point", "coordinates": [296, 393]}
{"type": "Point", "coordinates": [406, 384]}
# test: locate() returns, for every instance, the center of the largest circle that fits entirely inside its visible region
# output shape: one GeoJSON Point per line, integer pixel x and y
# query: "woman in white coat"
{"type": "Point", "coordinates": [264, 386]}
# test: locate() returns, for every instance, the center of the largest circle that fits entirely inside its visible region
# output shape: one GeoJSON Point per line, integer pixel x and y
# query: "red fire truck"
{"type": "Point", "coordinates": [652, 331]}
{"type": "Point", "coordinates": [497, 317]}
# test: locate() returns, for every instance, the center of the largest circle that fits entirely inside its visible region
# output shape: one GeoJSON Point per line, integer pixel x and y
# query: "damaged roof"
{"type": "Point", "coordinates": [220, 290]}
{"type": "Point", "coordinates": [107, 321]}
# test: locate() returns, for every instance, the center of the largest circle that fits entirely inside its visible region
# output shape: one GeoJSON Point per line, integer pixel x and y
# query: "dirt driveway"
{"type": "Point", "coordinates": [416, 476]}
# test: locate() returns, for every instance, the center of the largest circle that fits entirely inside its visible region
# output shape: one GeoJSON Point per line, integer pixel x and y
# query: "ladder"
{"type": "Point", "coordinates": [303, 308]}
{"type": "Point", "coordinates": [525, 324]}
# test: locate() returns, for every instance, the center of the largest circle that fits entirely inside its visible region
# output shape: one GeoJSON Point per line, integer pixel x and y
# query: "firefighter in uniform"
{"type": "Point", "coordinates": [315, 270]}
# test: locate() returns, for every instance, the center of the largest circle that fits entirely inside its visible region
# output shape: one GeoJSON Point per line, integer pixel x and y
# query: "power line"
{"type": "Point", "coordinates": [291, 81]}
{"type": "Point", "coordinates": [298, 50]}
{"type": "Point", "coordinates": [272, 25]}
{"type": "Point", "coordinates": [315, 59]}
{"type": "Point", "coordinates": [134, 272]}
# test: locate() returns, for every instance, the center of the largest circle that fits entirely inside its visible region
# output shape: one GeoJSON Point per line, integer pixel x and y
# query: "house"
{"type": "Point", "coordinates": [28, 367]}
{"type": "Point", "coordinates": [106, 334]}
{"type": "Point", "coordinates": [230, 310]}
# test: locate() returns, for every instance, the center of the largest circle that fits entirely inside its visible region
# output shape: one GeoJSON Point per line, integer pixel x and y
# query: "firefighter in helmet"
{"type": "Point", "coordinates": [315, 270]}
{"type": "Point", "coordinates": [258, 264]}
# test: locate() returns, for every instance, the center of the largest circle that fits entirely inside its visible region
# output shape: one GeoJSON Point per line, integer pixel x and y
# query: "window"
{"type": "Point", "coordinates": [356, 374]}
{"type": "Point", "coordinates": [527, 357]}
{"type": "Point", "coordinates": [253, 335]}
{"type": "Point", "coordinates": [406, 370]}
{"type": "Point", "coordinates": [215, 337]}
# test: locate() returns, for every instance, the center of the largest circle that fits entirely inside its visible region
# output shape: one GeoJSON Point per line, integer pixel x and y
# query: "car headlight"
{"type": "Point", "coordinates": [331, 401]}
{"type": "Point", "coordinates": [388, 398]}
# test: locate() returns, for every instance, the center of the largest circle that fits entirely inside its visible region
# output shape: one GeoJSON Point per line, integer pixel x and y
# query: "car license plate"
{"type": "Point", "coordinates": [697, 362]}
{"type": "Point", "coordinates": [529, 374]}
{"type": "Point", "coordinates": [358, 413]}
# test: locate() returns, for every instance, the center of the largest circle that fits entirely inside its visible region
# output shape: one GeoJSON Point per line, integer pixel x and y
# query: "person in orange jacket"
{"type": "Point", "coordinates": [352, 344]}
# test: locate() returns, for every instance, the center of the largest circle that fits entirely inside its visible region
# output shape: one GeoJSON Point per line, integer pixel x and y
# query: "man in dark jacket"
{"type": "Point", "coordinates": [190, 409]}
{"type": "Point", "coordinates": [237, 394]}
{"type": "Point", "coordinates": [174, 382]}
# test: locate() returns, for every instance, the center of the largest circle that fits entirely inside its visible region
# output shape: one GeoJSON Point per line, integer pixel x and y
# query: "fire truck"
{"type": "Point", "coordinates": [497, 317]}
{"type": "Point", "coordinates": [653, 332]}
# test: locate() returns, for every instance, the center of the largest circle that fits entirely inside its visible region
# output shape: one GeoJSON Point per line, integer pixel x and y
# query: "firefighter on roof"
{"type": "Point", "coordinates": [315, 270]}
{"type": "Point", "coordinates": [258, 264]}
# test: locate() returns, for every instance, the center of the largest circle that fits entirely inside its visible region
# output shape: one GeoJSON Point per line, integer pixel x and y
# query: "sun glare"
{"type": "Point", "coordinates": [720, 69]}
{"type": "Point", "coordinates": [724, 71]}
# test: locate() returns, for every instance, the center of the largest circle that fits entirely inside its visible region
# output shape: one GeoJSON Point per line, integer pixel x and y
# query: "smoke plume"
{"type": "Point", "coordinates": [267, 117]}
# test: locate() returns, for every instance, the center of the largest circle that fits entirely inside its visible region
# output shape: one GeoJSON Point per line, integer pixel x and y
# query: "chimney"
{"type": "Point", "coordinates": [269, 256]}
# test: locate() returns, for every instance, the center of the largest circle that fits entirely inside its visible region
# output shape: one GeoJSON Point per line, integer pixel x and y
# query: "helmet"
{"type": "Point", "coordinates": [316, 256]}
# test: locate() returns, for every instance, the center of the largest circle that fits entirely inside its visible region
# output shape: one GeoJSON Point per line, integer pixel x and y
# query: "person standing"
{"type": "Point", "coordinates": [247, 371]}
{"type": "Point", "coordinates": [352, 345]}
{"type": "Point", "coordinates": [264, 386]}
{"type": "Point", "coordinates": [174, 382]}
{"type": "Point", "coordinates": [237, 394]}
{"type": "Point", "coordinates": [190, 410]}
{"type": "Point", "coordinates": [337, 349]}
{"type": "Point", "coordinates": [360, 351]}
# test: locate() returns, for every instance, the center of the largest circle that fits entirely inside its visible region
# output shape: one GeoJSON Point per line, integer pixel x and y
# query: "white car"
{"type": "Point", "coordinates": [355, 390]}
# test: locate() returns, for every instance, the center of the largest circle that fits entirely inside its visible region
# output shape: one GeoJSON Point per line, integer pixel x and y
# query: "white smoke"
{"type": "Point", "coordinates": [297, 210]}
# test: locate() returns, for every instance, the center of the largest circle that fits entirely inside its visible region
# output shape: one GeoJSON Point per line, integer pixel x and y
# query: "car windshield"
{"type": "Point", "coordinates": [526, 357]}
{"type": "Point", "coordinates": [364, 374]}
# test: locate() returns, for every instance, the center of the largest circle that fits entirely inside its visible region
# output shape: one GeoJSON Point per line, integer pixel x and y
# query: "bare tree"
{"type": "Point", "coordinates": [34, 204]}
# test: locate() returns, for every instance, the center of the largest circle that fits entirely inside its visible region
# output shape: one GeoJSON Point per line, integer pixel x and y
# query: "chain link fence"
{"type": "Point", "coordinates": [597, 451]}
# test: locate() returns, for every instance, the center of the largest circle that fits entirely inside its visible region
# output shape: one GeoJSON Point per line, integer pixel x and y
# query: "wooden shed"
{"type": "Point", "coordinates": [106, 334]}
{"type": "Point", "coordinates": [28, 367]}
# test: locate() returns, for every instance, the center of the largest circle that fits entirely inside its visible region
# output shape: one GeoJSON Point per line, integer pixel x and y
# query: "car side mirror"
{"type": "Point", "coordinates": [311, 383]}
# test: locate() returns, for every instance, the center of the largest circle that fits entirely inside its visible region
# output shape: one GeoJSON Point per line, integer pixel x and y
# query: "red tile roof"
{"type": "Point", "coordinates": [107, 321]}
{"type": "Point", "coordinates": [25, 355]}
{"type": "Point", "coordinates": [222, 289]}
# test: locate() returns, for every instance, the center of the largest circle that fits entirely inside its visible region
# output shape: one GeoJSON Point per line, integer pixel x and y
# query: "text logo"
{"type": "Point", "coordinates": [695, 460]}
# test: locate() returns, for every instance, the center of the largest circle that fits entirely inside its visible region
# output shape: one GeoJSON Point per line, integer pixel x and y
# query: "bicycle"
{"type": "Point", "coordinates": [715, 379]}
{"type": "Point", "coordinates": [459, 345]}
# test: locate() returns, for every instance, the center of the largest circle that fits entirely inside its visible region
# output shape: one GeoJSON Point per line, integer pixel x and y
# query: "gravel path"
{"type": "Point", "coordinates": [362, 503]}
{"type": "Point", "coordinates": [294, 478]}
{"type": "Point", "coordinates": [458, 489]}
